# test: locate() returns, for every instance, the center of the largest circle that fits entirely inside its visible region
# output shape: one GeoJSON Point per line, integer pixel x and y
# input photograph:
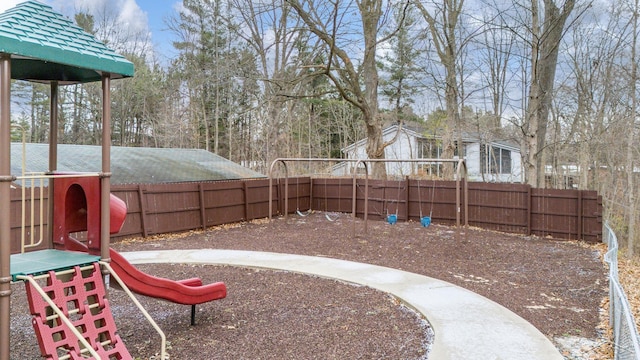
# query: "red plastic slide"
{"type": "Point", "coordinates": [187, 292]}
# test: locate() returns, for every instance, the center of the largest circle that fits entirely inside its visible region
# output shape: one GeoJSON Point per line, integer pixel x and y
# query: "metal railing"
{"type": "Point", "coordinates": [625, 333]}
{"type": "Point", "coordinates": [32, 182]}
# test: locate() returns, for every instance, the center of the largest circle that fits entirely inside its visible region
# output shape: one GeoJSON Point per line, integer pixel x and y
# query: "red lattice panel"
{"type": "Point", "coordinates": [81, 297]}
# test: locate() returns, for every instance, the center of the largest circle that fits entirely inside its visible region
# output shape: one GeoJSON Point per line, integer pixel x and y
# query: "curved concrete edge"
{"type": "Point", "coordinates": [466, 325]}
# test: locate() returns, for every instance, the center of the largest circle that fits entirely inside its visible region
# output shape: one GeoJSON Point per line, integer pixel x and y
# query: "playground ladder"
{"type": "Point", "coordinates": [72, 317]}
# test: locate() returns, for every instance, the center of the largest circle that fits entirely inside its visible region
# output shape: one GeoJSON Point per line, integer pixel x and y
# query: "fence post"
{"type": "Point", "coordinates": [143, 211]}
{"type": "Point", "coordinates": [465, 200]}
{"type": "Point", "coordinates": [278, 196]}
{"type": "Point", "coordinates": [529, 204]}
{"type": "Point", "coordinates": [203, 209]}
{"type": "Point", "coordinates": [579, 215]}
{"type": "Point", "coordinates": [310, 193]}
{"type": "Point", "coordinates": [407, 197]}
{"type": "Point", "coordinates": [246, 200]}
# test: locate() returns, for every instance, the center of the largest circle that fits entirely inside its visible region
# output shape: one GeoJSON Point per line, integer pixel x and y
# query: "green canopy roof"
{"type": "Point", "coordinates": [45, 46]}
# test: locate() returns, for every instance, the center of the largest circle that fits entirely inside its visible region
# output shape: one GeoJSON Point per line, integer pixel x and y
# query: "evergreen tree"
{"type": "Point", "coordinates": [400, 74]}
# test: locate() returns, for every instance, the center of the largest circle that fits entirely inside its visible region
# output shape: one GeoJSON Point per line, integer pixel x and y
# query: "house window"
{"type": "Point", "coordinates": [429, 149]}
{"type": "Point", "coordinates": [495, 160]}
{"type": "Point", "coordinates": [432, 149]}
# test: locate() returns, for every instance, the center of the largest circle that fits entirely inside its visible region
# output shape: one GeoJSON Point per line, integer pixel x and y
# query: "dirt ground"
{"type": "Point", "coordinates": [558, 286]}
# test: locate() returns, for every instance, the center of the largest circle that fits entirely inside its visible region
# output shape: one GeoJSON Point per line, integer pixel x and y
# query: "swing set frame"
{"type": "Point", "coordinates": [460, 178]}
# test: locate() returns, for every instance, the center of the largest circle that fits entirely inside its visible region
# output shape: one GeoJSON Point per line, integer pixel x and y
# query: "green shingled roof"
{"type": "Point", "coordinates": [46, 46]}
{"type": "Point", "coordinates": [133, 165]}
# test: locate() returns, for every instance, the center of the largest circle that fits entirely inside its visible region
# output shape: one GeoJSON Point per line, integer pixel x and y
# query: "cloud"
{"type": "Point", "coordinates": [133, 16]}
{"type": "Point", "coordinates": [127, 12]}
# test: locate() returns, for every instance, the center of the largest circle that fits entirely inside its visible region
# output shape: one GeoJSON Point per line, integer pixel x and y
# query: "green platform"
{"type": "Point", "coordinates": [39, 262]}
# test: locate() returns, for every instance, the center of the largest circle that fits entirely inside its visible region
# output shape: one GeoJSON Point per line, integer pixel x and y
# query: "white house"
{"type": "Point", "coordinates": [491, 161]}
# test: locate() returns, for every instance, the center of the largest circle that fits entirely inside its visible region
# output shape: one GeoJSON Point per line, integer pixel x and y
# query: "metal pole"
{"type": "Point", "coordinates": [463, 165]}
{"type": "Point", "coordinates": [457, 201]}
{"type": "Point", "coordinates": [354, 195]}
{"type": "Point", "coordinates": [366, 196]}
{"type": "Point", "coordinates": [5, 205]}
{"type": "Point", "coordinates": [53, 153]}
{"type": "Point", "coordinates": [286, 190]}
{"type": "Point", "coordinates": [271, 183]}
{"type": "Point", "coordinates": [105, 184]}
{"type": "Point", "coordinates": [53, 127]}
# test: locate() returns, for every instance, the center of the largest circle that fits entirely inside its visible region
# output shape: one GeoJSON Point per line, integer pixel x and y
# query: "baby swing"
{"type": "Point", "coordinates": [426, 220]}
{"type": "Point", "coordinates": [393, 218]}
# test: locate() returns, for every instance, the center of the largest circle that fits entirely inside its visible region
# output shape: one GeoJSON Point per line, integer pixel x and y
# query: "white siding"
{"type": "Point", "coordinates": [403, 148]}
{"type": "Point", "coordinates": [473, 162]}
{"type": "Point", "coordinates": [406, 147]}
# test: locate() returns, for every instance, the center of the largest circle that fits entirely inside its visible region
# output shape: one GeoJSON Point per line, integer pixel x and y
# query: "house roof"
{"type": "Point", "coordinates": [133, 165]}
{"type": "Point", "coordinates": [45, 46]}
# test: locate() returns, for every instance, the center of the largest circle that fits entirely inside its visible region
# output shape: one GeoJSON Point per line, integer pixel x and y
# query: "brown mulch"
{"type": "Point", "coordinates": [556, 285]}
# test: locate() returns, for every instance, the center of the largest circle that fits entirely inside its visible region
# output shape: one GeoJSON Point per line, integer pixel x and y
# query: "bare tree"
{"type": "Point", "coordinates": [332, 23]}
{"type": "Point", "coordinates": [594, 60]}
{"type": "Point", "coordinates": [546, 34]}
{"type": "Point", "coordinates": [274, 35]}
{"type": "Point", "coordinates": [443, 20]}
{"type": "Point", "coordinates": [495, 57]}
{"type": "Point", "coordinates": [631, 145]}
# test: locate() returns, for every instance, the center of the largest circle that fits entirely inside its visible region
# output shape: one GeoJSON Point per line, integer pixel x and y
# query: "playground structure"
{"type": "Point", "coordinates": [460, 179]}
{"type": "Point", "coordinates": [65, 283]}
{"type": "Point", "coordinates": [76, 198]}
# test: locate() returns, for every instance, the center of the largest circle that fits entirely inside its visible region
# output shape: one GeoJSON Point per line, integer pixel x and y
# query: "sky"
{"type": "Point", "coordinates": [149, 15]}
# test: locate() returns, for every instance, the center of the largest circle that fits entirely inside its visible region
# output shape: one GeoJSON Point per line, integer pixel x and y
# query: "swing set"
{"type": "Point", "coordinates": [460, 179]}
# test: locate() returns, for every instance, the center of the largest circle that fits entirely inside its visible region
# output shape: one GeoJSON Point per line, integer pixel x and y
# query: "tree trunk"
{"type": "Point", "coordinates": [370, 11]}
{"type": "Point", "coordinates": [631, 224]}
{"type": "Point", "coordinates": [544, 58]}
{"type": "Point", "coordinates": [443, 24]}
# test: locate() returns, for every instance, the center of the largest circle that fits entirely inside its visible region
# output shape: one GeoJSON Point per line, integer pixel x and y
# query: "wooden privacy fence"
{"type": "Point", "coordinates": [164, 208]}
{"type": "Point", "coordinates": [517, 208]}
{"type": "Point", "coordinates": [514, 208]}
